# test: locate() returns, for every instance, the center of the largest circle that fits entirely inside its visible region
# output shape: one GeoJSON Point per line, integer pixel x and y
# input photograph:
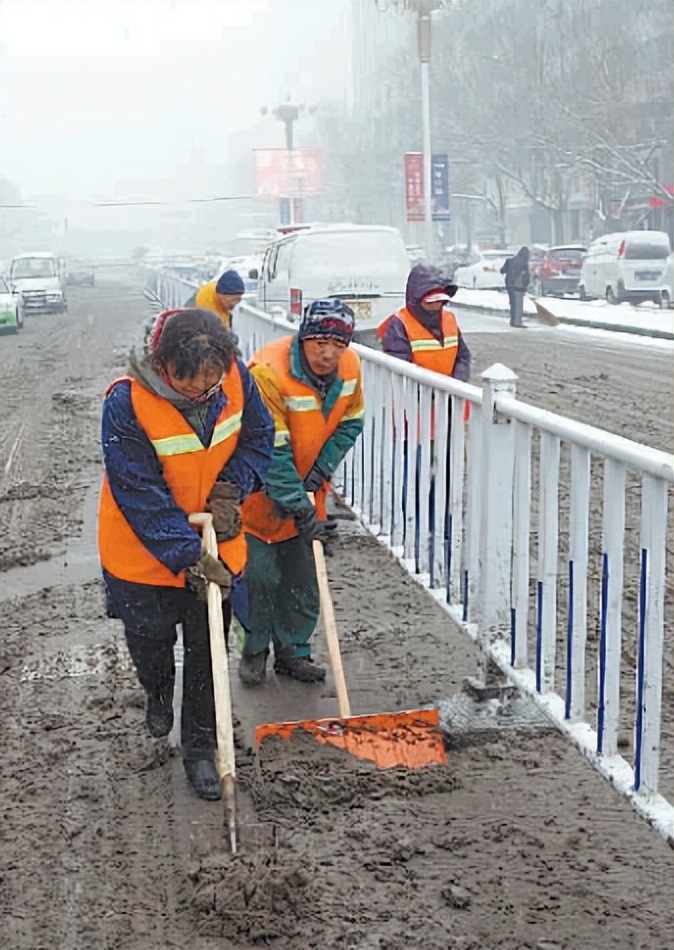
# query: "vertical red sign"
{"type": "Point", "coordinates": [414, 186]}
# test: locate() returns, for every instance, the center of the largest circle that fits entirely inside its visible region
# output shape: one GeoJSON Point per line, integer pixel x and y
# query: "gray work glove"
{"type": "Point", "coordinates": [314, 480]}
{"type": "Point", "coordinates": [311, 529]}
{"type": "Point", "coordinates": [223, 503]}
{"type": "Point", "coordinates": [208, 569]}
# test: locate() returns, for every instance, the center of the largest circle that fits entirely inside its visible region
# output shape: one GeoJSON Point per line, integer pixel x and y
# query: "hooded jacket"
{"type": "Point", "coordinates": [421, 281]}
{"type": "Point", "coordinates": [516, 270]}
{"type": "Point", "coordinates": [134, 471]}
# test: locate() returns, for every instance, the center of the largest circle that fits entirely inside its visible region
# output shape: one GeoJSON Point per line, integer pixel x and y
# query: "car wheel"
{"type": "Point", "coordinates": [610, 296]}
{"type": "Point", "coordinates": [665, 300]}
{"type": "Point", "coordinates": [537, 288]}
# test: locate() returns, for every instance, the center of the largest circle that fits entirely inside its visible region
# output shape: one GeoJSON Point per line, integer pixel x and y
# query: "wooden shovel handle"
{"type": "Point", "coordinates": [224, 726]}
{"type": "Point", "coordinates": [330, 625]}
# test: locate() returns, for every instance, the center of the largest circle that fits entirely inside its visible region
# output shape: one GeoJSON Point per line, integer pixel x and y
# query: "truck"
{"type": "Point", "coordinates": [39, 277]}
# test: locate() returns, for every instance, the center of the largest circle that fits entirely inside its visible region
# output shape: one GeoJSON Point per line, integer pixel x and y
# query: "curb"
{"type": "Point", "coordinates": [575, 321]}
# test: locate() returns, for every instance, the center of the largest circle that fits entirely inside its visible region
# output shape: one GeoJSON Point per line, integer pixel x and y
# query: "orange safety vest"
{"type": "Point", "coordinates": [207, 299]}
{"type": "Point", "coordinates": [427, 351]}
{"type": "Point", "coordinates": [190, 470]}
{"type": "Point", "coordinates": [308, 431]}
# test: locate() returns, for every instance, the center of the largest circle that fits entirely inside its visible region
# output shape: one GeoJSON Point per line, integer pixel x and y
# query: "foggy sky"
{"type": "Point", "coordinates": [103, 90]}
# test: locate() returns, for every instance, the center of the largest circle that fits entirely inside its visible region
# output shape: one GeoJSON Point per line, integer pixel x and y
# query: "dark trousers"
{"type": "Point", "coordinates": [283, 603]}
{"type": "Point", "coordinates": [150, 616]}
{"type": "Point", "coordinates": [516, 300]}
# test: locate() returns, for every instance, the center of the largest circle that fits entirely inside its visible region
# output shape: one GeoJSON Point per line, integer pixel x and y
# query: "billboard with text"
{"type": "Point", "coordinates": [280, 173]}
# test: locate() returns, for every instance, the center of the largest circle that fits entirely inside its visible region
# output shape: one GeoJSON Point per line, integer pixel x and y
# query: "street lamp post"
{"type": "Point", "coordinates": [424, 9]}
{"type": "Point", "coordinates": [288, 113]}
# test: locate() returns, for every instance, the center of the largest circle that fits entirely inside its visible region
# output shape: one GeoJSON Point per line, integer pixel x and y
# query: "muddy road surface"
{"type": "Point", "coordinates": [516, 843]}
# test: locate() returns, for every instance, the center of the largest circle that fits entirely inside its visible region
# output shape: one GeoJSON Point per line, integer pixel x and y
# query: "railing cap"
{"type": "Point", "coordinates": [498, 373]}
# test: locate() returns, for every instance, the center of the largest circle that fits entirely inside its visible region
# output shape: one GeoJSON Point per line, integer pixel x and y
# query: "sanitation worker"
{"type": "Point", "coordinates": [425, 332]}
{"type": "Point", "coordinates": [185, 431]}
{"type": "Point", "coordinates": [220, 296]}
{"type": "Point", "coordinates": [311, 382]}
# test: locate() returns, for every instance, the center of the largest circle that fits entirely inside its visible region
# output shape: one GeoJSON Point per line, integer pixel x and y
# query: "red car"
{"type": "Point", "coordinates": [559, 271]}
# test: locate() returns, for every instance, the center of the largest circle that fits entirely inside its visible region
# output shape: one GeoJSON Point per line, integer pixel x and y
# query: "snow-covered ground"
{"type": "Point", "coordinates": [646, 316]}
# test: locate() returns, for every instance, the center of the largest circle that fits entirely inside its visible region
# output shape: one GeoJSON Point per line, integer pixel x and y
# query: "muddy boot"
{"type": "Point", "coordinates": [300, 668]}
{"type": "Point", "coordinates": [203, 777]}
{"type": "Point", "coordinates": [159, 715]}
{"type": "Point", "coordinates": [253, 668]}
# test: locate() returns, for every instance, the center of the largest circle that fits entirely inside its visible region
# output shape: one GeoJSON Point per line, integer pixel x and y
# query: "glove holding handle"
{"type": "Point", "coordinates": [223, 503]}
{"type": "Point", "coordinates": [208, 569]}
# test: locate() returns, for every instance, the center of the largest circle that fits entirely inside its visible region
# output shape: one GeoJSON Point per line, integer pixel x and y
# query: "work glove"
{"type": "Point", "coordinates": [223, 503]}
{"type": "Point", "coordinates": [314, 480]}
{"type": "Point", "coordinates": [311, 529]}
{"type": "Point", "coordinates": [208, 569]}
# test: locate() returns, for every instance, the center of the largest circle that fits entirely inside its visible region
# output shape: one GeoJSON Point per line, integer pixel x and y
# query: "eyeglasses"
{"type": "Point", "coordinates": [187, 391]}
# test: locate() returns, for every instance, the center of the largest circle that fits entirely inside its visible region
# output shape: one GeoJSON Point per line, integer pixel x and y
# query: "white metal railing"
{"type": "Point", "coordinates": [464, 503]}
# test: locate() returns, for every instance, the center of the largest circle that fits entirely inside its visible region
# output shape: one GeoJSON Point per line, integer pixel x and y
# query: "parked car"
{"type": "Point", "coordinates": [80, 274]}
{"type": "Point", "coordinates": [559, 271]}
{"type": "Point", "coordinates": [364, 265]}
{"type": "Point", "coordinates": [38, 277]}
{"type": "Point", "coordinates": [484, 274]}
{"type": "Point", "coordinates": [667, 292]}
{"type": "Point", "coordinates": [627, 265]}
{"type": "Point", "coordinates": [537, 253]}
{"type": "Point", "coordinates": [11, 309]}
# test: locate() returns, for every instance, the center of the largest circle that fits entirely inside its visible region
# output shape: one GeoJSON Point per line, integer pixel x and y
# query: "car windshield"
{"type": "Point", "coordinates": [646, 251]}
{"type": "Point", "coordinates": [34, 267]}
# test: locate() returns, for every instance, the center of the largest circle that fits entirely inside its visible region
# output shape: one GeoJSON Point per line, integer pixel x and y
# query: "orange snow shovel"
{"type": "Point", "coordinates": [411, 739]}
{"type": "Point", "coordinates": [224, 728]}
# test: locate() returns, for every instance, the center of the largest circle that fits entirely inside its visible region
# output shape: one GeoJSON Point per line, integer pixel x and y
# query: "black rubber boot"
{"type": "Point", "coordinates": [159, 716]}
{"type": "Point", "coordinates": [301, 668]}
{"type": "Point", "coordinates": [253, 668]}
{"type": "Point", "coordinates": [203, 777]}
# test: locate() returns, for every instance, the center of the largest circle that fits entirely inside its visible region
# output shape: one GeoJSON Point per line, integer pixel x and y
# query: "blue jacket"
{"type": "Point", "coordinates": [137, 483]}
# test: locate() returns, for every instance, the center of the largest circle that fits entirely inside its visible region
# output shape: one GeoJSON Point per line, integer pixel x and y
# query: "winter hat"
{"type": "Point", "coordinates": [229, 283]}
{"type": "Point", "coordinates": [328, 319]}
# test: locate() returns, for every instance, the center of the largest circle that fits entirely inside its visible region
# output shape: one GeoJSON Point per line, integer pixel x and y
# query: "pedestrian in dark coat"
{"type": "Point", "coordinates": [516, 270]}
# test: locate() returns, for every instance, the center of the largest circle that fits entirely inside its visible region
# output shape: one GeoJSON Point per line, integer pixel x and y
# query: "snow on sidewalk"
{"type": "Point", "coordinates": [645, 318]}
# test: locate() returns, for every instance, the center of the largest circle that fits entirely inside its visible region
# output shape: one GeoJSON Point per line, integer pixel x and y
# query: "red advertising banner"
{"type": "Point", "coordinates": [280, 173]}
{"type": "Point", "coordinates": [414, 186]}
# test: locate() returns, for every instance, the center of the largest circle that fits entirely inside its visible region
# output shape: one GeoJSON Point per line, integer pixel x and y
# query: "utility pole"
{"type": "Point", "coordinates": [424, 9]}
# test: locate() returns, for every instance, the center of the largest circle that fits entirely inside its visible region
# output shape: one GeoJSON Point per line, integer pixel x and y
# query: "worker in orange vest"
{"type": "Point", "coordinates": [185, 431]}
{"type": "Point", "coordinates": [425, 332]}
{"type": "Point", "coordinates": [220, 296]}
{"type": "Point", "coordinates": [311, 382]}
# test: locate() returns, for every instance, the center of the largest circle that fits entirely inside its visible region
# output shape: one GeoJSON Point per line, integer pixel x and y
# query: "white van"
{"type": "Point", "coordinates": [366, 266]}
{"type": "Point", "coordinates": [627, 265]}
{"type": "Point", "coordinates": [39, 278]}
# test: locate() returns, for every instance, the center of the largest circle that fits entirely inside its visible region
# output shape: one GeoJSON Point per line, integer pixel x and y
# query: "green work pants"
{"type": "Point", "coordinates": [282, 594]}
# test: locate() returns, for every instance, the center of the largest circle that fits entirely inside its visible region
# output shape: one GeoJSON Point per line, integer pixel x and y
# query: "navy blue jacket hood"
{"type": "Point", "coordinates": [421, 281]}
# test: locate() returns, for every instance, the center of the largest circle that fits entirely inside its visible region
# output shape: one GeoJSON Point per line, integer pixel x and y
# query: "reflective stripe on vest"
{"type": "Point", "coordinates": [308, 431]}
{"type": "Point", "coordinates": [189, 470]}
{"type": "Point", "coordinates": [183, 444]}
{"type": "Point", "coordinates": [427, 351]}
